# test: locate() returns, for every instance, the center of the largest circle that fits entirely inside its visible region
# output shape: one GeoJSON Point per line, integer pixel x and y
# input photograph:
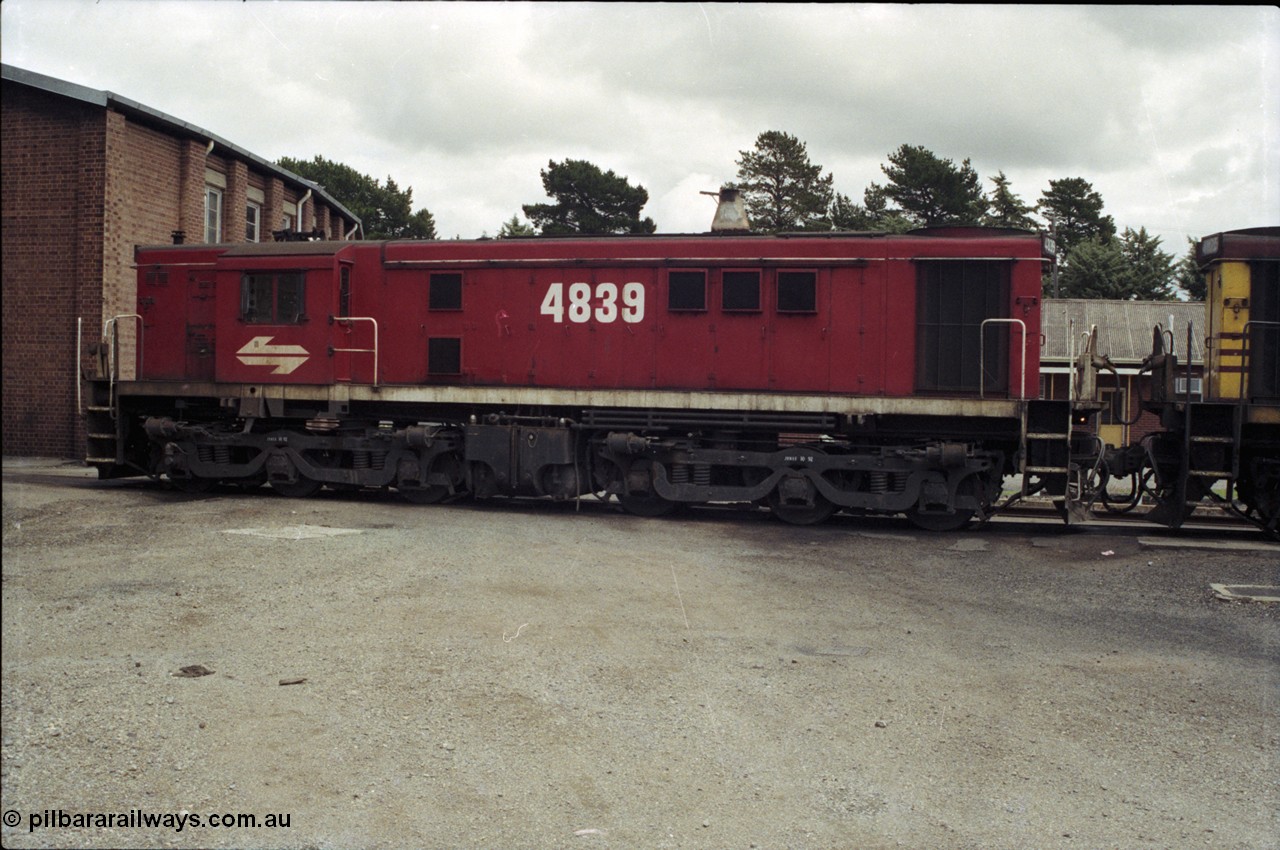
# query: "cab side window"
{"type": "Point", "coordinates": [273, 298]}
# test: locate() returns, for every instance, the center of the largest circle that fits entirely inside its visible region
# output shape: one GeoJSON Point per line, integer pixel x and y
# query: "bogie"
{"type": "Point", "coordinates": [650, 473]}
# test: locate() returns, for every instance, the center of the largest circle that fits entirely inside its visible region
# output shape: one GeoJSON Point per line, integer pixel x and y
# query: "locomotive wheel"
{"type": "Point", "coordinates": [1260, 493]}
{"type": "Point", "coordinates": [300, 489]}
{"type": "Point", "coordinates": [944, 521]}
{"type": "Point", "coordinates": [193, 484]}
{"type": "Point", "coordinates": [646, 504]}
{"type": "Point", "coordinates": [432, 494]}
{"type": "Point", "coordinates": [940, 522]}
{"type": "Point", "coordinates": [248, 485]}
{"type": "Point", "coordinates": [792, 514]}
{"type": "Point", "coordinates": [796, 501]}
{"type": "Point", "coordinates": [302, 486]}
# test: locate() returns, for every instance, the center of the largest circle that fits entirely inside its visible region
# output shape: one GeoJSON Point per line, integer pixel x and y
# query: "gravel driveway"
{"type": "Point", "coordinates": [530, 675]}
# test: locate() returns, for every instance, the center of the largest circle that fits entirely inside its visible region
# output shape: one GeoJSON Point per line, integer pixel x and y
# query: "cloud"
{"type": "Point", "coordinates": [1169, 111]}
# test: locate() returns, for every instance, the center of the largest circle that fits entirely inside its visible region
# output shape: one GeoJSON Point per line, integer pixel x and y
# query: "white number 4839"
{"type": "Point", "coordinates": [604, 307]}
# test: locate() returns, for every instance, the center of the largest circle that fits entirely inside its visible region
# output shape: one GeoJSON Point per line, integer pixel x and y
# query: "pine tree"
{"type": "Point", "coordinates": [1188, 277]}
{"type": "Point", "coordinates": [514, 228]}
{"type": "Point", "coordinates": [385, 211]}
{"type": "Point", "coordinates": [1149, 273]}
{"type": "Point", "coordinates": [784, 191]}
{"type": "Point", "coordinates": [931, 190]}
{"type": "Point", "coordinates": [1127, 268]}
{"type": "Point", "coordinates": [1094, 269]}
{"type": "Point", "coordinates": [588, 201]}
{"type": "Point", "coordinates": [1007, 209]}
{"type": "Point", "coordinates": [1074, 212]}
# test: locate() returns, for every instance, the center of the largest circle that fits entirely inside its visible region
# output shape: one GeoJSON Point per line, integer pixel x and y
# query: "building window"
{"type": "Point", "coordinates": [273, 298]}
{"type": "Point", "coordinates": [445, 291]}
{"type": "Point", "coordinates": [289, 218]}
{"type": "Point", "coordinates": [740, 291]}
{"type": "Point", "coordinates": [212, 214]}
{"type": "Point", "coordinates": [1180, 387]}
{"type": "Point", "coordinates": [253, 222]}
{"type": "Point", "coordinates": [686, 291]}
{"type": "Point", "coordinates": [1115, 407]}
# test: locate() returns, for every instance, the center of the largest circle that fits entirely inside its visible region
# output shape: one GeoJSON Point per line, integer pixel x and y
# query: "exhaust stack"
{"type": "Point", "coordinates": [731, 212]}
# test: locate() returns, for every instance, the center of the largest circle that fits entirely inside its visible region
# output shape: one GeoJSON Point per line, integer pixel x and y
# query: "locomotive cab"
{"type": "Point", "coordinates": [282, 314]}
{"type": "Point", "coordinates": [283, 306]}
{"type": "Point", "coordinates": [1242, 277]}
{"type": "Point", "coordinates": [1226, 447]}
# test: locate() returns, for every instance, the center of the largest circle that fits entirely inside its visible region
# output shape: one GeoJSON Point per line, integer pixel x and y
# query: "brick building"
{"type": "Point", "coordinates": [86, 175]}
{"type": "Point", "coordinates": [1125, 336]}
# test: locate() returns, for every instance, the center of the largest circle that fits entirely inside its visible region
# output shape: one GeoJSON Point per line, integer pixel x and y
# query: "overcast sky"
{"type": "Point", "coordinates": [1172, 113]}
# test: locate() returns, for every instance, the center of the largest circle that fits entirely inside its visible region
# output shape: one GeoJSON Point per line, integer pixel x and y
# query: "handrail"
{"type": "Point", "coordinates": [111, 338]}
{"type": "Point", "coordinates": [373, 351]}
{"type": "Point", "coordinates": [982, 354]}
{"type": "Point", "coordinates": [79, 365]}
{"type": "Point", "coordinates": [1071, 361]}
{"type": "Point", "coordinates": [1088, 346]}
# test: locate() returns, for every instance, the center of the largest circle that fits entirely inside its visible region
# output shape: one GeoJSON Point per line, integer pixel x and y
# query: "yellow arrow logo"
{"type": "Point", "coordinates": [260, 352]}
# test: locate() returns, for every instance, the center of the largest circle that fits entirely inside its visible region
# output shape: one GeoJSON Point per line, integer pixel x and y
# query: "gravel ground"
{"type": "Point", "coordinates": [528, 675]}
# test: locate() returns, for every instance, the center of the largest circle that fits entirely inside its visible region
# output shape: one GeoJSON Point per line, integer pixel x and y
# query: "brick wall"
{"type": "Point", "coordinates": [82, 185]}
{"type": "Point", "coordinates": [53, 157]}
{"type": "Point", "coordinates": [150, 166]}
{"type": "Point", "coordinates": [191, 163]}
{"type": "Point", "coordinates": [273, 211]}
{"type": "Point", "coordinates": [236, 200]}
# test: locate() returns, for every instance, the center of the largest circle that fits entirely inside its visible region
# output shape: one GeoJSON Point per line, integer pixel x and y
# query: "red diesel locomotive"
{"type": "Point", "coordinates": [869, 373]}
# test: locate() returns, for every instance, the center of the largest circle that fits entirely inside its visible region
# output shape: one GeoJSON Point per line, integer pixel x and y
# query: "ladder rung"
{"type": "Point", "coordinates": [99, 460]}
{"type": "Point", "coordinates": [101, 436]}
{"type": "Point", "coordinates": [1046, 436]}
{"type": "Point", "coordinates": [1212, 440]}
{"type": "Point", "coordinates": [1046, 469]}
{"type": "Point", "coordinates": [1209, 474]}
{"type": "Point", "coordinates": [97, 408]}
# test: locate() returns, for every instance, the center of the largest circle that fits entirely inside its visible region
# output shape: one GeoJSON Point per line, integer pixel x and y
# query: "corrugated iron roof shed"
{"type": "Point", "coordinates": [1124, 327]}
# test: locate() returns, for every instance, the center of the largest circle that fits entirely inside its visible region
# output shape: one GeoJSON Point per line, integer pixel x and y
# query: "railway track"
{"type": "Point", "coordinates": [1207, 518]}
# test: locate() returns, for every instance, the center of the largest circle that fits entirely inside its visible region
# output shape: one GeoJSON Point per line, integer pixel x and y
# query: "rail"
{"type": "Point", "coordinates": [982, 355]}
{"type": "Point", "coordinates": [373, 351]}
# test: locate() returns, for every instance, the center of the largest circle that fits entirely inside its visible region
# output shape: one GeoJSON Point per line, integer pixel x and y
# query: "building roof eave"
{"type": "Point", "coordinates": [148, 115]}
